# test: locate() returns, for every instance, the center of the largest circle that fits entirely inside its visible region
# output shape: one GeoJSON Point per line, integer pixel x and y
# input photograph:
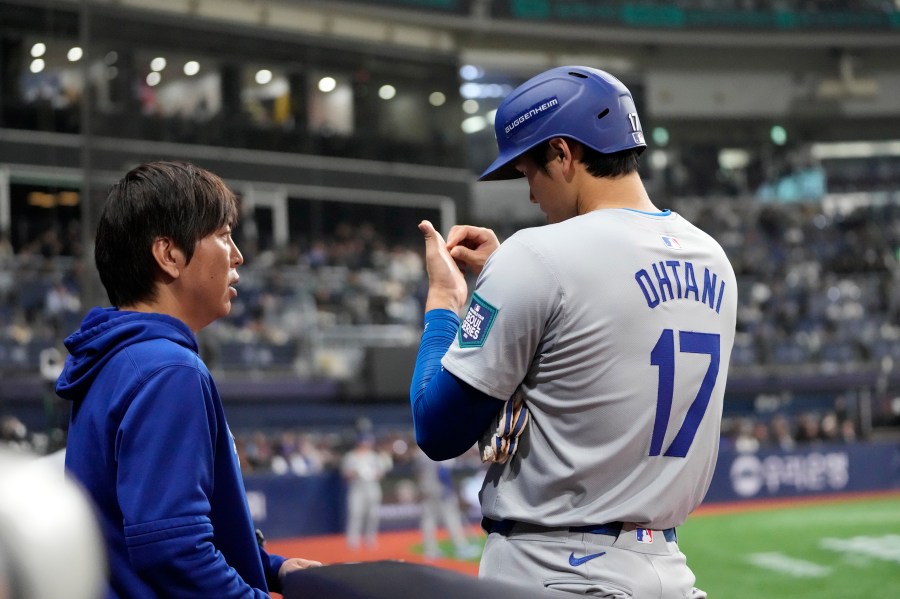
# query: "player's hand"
{"type": "Point", "coordinates": [296, 563]}
{"type": "Point", "coordinates": [471, 246]}
{"type": "Point", "coordinates": [446, 284]}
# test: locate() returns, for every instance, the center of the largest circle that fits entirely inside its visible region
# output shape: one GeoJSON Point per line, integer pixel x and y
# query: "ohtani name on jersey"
{"type": "Point", "coordinates": [676, 279]}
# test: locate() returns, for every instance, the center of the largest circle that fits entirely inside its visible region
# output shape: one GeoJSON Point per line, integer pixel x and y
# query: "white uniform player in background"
{"type": "Point", "coordinates": [363, 468]}
{"type": "Point", "coordinates": [611, 327]}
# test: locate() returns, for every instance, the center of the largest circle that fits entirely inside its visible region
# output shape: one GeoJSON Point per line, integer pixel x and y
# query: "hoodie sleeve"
{"type": "Point", "coordinates": [272, 564]}
{"type": "Point", "coordinates": [165, 454]}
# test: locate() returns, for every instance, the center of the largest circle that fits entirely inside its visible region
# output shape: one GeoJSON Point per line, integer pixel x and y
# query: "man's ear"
{"type": "Point", "coordinates": [168, 256]}
{"type": "Point", "coordinates": [565, 151]}
{"type": "Point", "coordinates": [559, 148]}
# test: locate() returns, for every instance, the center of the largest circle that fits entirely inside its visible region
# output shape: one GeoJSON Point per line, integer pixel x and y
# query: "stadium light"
{"type": "Point", "coordinates": [327, 84]}
{"type": "Point", "coordinates": [469, 90]}
{"type": "Point", "coordinates": [778, 135]}
{"type": "Point", "coordinates": [660, 136]}
{"type": "Point", "coordinates": [470, 72]}
{"type": "Point", "coordinates": [855, 149]}
{"type": "Point", "coordinates": [733, 159]}
{"type": "Point", "coordinates": [474, 124]}
{"type": "Point", "coordinates": [386, 92]}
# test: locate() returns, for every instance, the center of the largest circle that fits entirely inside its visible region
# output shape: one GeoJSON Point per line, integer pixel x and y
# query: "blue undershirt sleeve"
{"type": "Point", "coordinates": [449, 415]}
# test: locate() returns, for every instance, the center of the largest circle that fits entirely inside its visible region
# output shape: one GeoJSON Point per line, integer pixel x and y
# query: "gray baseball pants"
{"type": "Point", "coordinates": [624, 564]}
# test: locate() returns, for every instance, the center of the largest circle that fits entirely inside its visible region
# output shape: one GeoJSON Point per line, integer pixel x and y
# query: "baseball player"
{"type": "Point", "coordinates": [440, 506]}
{"type": "Point", "coordinates": [594, 352]}
{"type": "Point", "coordinates": [364, 468]}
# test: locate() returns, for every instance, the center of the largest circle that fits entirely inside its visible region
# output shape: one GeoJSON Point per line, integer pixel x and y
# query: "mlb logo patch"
{"type": "Point", "coordinates": [671, 242]}
{"type": "Point", "coordinates": [644, 535]}
{"type": "Point", "coordinates": [477, 324]}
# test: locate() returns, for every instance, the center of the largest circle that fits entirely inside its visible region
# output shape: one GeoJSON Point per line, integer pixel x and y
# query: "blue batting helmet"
{"type": "Point", "coordinates": [585, 104]}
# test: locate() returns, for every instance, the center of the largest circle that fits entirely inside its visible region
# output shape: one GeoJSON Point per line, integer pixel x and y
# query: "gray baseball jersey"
{"type": "Point", "coordinates": [618, 327]}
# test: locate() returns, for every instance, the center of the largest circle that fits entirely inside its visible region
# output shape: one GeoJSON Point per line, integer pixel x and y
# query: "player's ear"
{"type": "Point", "coordinates": [168, 256]}
{"type": "Point", "coordinates": [564, 151]}
{"type": "Point", "coordinates": [559, 148]}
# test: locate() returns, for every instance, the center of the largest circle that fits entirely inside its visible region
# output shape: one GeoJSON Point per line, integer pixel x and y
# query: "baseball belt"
{"type": "Point", "coordinates": [613, 529]}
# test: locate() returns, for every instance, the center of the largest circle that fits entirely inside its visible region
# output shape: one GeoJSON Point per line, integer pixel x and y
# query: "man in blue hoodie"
{"type": "Point", "coordinates": [147, 435]}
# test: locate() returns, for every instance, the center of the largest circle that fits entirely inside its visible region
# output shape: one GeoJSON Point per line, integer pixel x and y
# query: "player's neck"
{"type": "Point", "coordinates": [600, 193]}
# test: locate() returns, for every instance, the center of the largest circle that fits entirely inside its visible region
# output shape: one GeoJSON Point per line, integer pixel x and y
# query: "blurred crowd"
{"type": "Point", "coordinates": [295, 306]}
{"type": "Point", "coordinates": [302, 453]}
{"type": "Point", "coordinates": [819, 290]}
{"type": "Point", "coordinates": [297, 451]}
{"type": "Point", "coordinates": [789, 431]}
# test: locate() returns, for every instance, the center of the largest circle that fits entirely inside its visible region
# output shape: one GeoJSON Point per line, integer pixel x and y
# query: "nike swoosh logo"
{"type": "Point", "coordinates": [577, 561]}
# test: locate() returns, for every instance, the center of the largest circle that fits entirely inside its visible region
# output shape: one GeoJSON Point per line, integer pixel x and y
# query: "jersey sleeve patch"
{"type": "Point", "coordinates": [477, 324]}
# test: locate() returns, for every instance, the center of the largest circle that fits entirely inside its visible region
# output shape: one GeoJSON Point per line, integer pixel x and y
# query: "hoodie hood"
{"type": "Point", "coordinates": [105, 331]}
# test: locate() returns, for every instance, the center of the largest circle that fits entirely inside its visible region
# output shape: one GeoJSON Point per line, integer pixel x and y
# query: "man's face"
{"type": "Point", "coordinates": [208, 278]}
{"type": "Point", "coordinates": [546, 187]}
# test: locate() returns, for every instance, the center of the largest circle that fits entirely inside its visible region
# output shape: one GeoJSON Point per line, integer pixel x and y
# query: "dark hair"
{"type": "Point", "coordinates": [157, 199]}
{"type": "Point", "coordinates": [596, 163]}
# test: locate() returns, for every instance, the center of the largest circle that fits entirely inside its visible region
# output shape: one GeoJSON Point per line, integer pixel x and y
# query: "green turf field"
{"type": "Point", "coordinates": [841, 550]}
